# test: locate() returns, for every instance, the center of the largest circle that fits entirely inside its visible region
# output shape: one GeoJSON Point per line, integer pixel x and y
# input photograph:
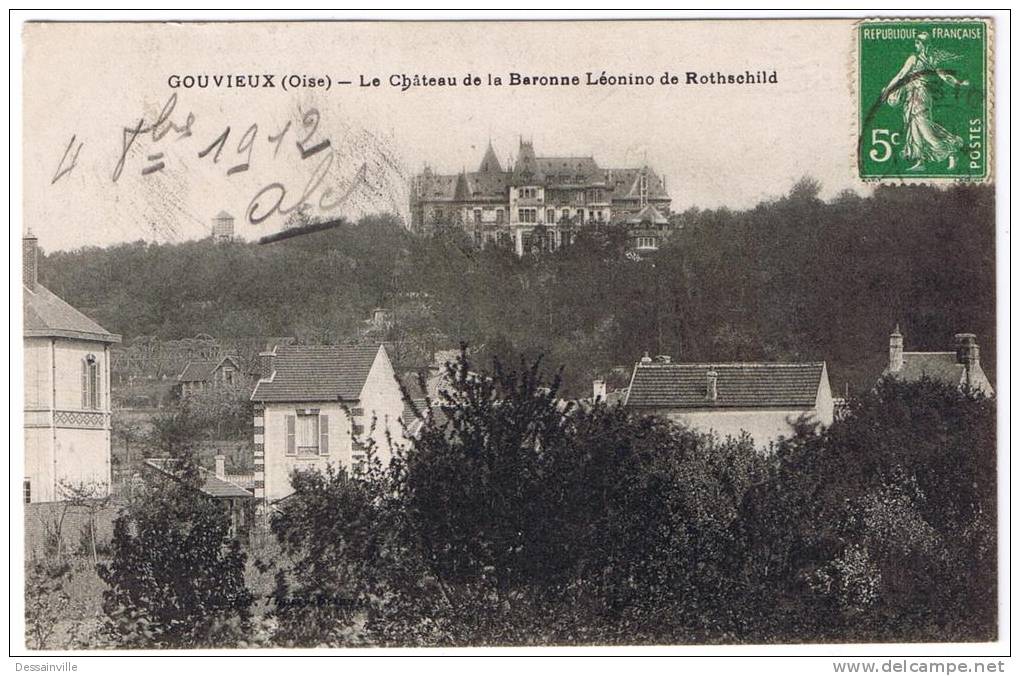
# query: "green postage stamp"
{"type": "Point", "coordinates": [924, 96]}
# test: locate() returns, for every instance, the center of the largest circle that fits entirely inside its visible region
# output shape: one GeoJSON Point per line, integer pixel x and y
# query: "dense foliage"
{"type": "Point", "coordinates": [176, 574]}
{"type": "Point", "coordinates": [514, 521]}
{"type": "Point", "coordinates": [794, 278]}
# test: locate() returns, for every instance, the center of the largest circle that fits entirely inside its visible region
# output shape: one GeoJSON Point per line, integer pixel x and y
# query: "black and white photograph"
{"type": "Point", "coordinates": [511, 334]}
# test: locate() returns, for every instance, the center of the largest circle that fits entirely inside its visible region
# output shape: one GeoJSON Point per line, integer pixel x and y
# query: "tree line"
{"type": "Point", "coordinates": [794, 278]}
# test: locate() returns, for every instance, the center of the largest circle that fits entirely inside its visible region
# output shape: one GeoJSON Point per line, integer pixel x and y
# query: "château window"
{"type": "Point", "coordinates": [90, 383]}
{"type": "Point", "coordinates": [528, 215]}
{"type": "Point", "coordinates": [550, 216]}
{"type": "Point", "coordinates": [499, 215]}
{"type": "Point", "coordinates": [478, 215]}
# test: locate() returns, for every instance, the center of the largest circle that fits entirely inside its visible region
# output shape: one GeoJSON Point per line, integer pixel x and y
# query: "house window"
{"type": "Point", "coordinates": [478, 215]}
{"type": "Point", "coordinates": [307, 433]}
{"type": "Point", "coordinates": [528, 215]}
{"type": "Point", "coordinates": [228, 375]}
{"type": "Point", "coordinates": [26, 491]}
{"type": "Point", "coordinates": [566, 214]}
{"type": "Point", "coordinates": [550, 216]}
{"type": "Point", "coordinates": [499, 215]}
{"type": "Point", "coordinates": [90, 383]}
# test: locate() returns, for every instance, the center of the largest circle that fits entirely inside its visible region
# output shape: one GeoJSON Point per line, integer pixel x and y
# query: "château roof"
{"type": "Point", "coordinates": [738, 385]}
{"type": "Point", "coordinates": [490, 163]}
{"type": "Point", "coordinates": [492, 180]}
{"type": "Point", "coordinates": [625, 184]}
{"type": "Point", "coordinates": [649, 215]}
{"type": "Point", "coordinates": [48, 315]}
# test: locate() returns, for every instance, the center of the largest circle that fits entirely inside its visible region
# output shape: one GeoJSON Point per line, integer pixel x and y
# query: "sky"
{"type": "Point", "coordinates": [106, 160]}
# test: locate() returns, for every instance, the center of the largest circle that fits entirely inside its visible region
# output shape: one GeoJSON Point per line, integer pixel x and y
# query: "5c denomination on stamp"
{"type": "Point", "coordinates": [923, 96]}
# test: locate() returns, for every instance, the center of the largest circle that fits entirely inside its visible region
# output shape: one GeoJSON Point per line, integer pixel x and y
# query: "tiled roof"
{"type": "Point", "coordinates": [47, 315]}
{"type": "Point", "coordinates": [940, 366]}
{"type": "Point", "coordinates": [212, 485]}
{"type": "Point", "coordinates": [762, 385]}
{"type": "Point", "coordinates": [317, 373]}
{"type": "Point", "coordinates": [200, 370]}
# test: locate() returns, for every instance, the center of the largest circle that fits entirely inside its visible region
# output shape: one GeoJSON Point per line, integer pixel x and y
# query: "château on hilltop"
{"type": "Point", "coordinates": [541, 203]}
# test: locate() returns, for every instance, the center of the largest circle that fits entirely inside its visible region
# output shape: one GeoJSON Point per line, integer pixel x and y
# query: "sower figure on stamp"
{"type": "Point", "coordinates": [924, 140]}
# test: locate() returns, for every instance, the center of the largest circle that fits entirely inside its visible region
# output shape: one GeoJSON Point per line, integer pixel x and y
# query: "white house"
{"type": "Point", "coordinates": [67, 392]}
{"type": "Point", "coordinates": [762, 399]}
{"type": "Point", "coordinates": [315, 405]}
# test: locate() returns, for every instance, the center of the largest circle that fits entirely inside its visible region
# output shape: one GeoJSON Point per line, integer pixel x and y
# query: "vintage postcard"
{"type": "Point", "coordinates": [510, 334]}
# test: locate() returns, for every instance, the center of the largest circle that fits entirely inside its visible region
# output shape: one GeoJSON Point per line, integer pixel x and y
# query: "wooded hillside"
{"type": "Point", "coordinates": [793, 278]}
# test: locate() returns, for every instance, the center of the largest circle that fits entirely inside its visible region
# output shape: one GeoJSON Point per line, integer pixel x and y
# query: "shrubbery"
{"type": "Point", "coordinates": [514, 521]}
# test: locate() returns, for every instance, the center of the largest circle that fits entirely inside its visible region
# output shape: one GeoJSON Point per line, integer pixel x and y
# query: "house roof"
{"type": "Point", "coordinates": [48, 315]}
{"type": "Point", "coordinates": [740, 385]}
{"type": "Point", "coordinates": [200, 370]}
{"type": "Point", "coordinates": [317, 373]}
{"type": "Point", "coordinates": [212, 485]}
{"type": "Point", "coordinates": [941, 366]}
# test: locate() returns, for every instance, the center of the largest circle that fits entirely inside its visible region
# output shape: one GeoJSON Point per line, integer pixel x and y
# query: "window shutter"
{"type": "Point", "coordinates": [97, 402]}
{"type": "Point", "coordinates": [291, 445]}
{"type": "Point", "coordinates": [323, 435]}
{"type": "Point", "coordinates": [84, 384]}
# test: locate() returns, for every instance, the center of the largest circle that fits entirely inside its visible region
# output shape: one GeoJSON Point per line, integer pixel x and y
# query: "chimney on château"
{"type": "Point", "coordinates": [29, 261]}
{"type": "Point", "coordinates": [221, 466]}
{"type": "Point", "coordinates": [895, 350]}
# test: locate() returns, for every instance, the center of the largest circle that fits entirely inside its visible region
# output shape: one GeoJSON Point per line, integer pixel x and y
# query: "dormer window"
{"type": "Point", "coordinates": [90, 383]}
